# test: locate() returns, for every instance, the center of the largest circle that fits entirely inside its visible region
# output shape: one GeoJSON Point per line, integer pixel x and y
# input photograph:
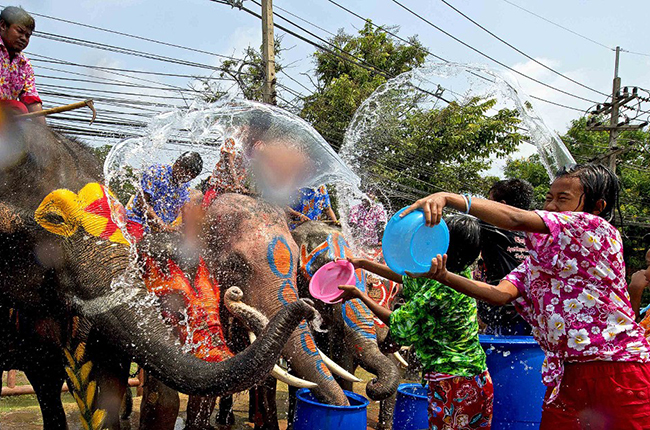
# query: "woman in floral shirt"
{"type": "Point", "coordinates": [442, 326]}
{"type": "Point", "coordinates": [572, 291]}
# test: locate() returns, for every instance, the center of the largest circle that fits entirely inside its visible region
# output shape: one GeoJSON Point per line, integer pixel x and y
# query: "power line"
{"type": "Point", "coordinates": [395, 35]}
{"type": "Point", "coordinates": [520, 51]}
{"type": "Point", "coordinates": [487, 56]}
{"type": "Point", "coordinates": [560, 26]}
{"type": "Point", "coordinates": [133, 36]}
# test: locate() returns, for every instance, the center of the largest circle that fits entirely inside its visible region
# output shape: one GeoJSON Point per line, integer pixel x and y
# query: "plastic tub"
{"type": "Point", "coordinates": [515, 364]}
{"type": "Point", "coordinates": [324, 285]}
{"type": "Point", "coordinates": [409, 246]}
{"type": "Point", "coordinates": [311, 414]}
{"type": "Point", "coordinates": [411, 408]}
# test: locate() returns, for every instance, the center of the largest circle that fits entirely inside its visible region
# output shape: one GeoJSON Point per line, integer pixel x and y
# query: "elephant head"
{"type": "Point", "coordinates": [320, 244]}
{"type": "Point", "coordinates": [99, 279]}
{"type": "Point", "coordinates": [247, 243]}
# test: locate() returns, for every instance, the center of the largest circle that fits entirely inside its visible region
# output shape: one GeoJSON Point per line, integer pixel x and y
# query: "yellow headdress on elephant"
{"type": "Point", "coordinates": [94, 208]}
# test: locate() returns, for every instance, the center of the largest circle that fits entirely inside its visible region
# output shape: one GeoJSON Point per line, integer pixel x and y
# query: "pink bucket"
{"type": "Point", "coordinates": [324, 285]}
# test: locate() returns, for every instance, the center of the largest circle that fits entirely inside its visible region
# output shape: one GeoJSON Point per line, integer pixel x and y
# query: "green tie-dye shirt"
{"type": "Point", "coordinates": [441, 325]}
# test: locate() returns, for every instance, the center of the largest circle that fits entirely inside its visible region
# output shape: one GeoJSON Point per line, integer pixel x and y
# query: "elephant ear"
{"type": "Point", "coordinates": [58, 213]}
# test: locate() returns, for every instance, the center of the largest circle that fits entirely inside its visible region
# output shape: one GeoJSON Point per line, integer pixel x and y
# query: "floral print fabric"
{"type": "Point", "coordinates": [165, 195]}
{"type": "Point", "coordinates": [17, 78]}
{"type": "Point", "coordinates": [441, 325]}
{"type": "Point", "coordinates": [461, 403]}
{"type": "Point", "coordinates": [574, 295]}
{"type": "Point", "coordinates": [367, 222]}
{"type": "Point", "coordinates": [311, 202]}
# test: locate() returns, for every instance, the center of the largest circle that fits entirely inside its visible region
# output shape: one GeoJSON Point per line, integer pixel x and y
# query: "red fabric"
{"type": "Point", "coordinates": [14, 105]}
{"type": "Point", "coordinates": [461, 403]}
{"type": "Point", "coordinates": [209, 197]}
{"type": "Point", "coordinates": [202, 331]}
{"type": "Point", "coordinates": [601, 395]}
{"type": "Point", "coordinates": [29, 100]}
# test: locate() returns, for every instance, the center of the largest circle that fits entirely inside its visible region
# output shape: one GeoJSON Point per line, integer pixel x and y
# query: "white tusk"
{"type": "Point", "coordinates": [401, 360]}
{"type": "Point", "coordinates": [338, 370]}
{"type": "Point", "coordinates": [282, 375]}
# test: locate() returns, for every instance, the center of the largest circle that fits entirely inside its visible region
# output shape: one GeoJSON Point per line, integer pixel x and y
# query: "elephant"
{"type": "Point", "coordinates": [69, 272]}
{"type": "Point", "coordinates": [363, 342]}
{"type": "Point", "coordinates": [246, 242]}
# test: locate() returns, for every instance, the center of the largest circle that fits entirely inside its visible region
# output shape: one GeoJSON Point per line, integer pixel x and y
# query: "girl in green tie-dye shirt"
{"type": "Point", "coordinates": [442, 326]}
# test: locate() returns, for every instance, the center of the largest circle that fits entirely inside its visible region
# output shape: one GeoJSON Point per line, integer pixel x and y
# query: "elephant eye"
{"type": "Point", "coordinates": [53, 218]}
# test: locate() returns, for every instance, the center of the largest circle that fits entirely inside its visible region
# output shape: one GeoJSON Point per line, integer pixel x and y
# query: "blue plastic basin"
{"type": "Point", "coordinates": [409, 245]}
{"type": "Point", "coordinates": [311, 414]}
{"type": "Point", "coordinates": [515, 363]}
{"type": "Point", "coordinates": [411, 408]}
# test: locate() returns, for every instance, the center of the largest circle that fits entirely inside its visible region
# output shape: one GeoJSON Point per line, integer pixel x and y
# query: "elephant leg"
{"type": "Point", "coordinates": [47, 384]}
{"type": "Point", "coordinates": [226, 416]}
{"type": "Point", "coordinates": [264, 405]}
{"type": "Point", "coordinates": [199, 410]}
{"type": "Point", "coordinates": [159, 407]}
{"type": "Point", "coordinates": [291, 410]}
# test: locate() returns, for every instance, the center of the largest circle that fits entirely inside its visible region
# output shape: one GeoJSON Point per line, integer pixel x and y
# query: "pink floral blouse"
{"type": "Point", "coordinates": [574, 295]}
{"type": "Point", "coordinates": [17, 78]}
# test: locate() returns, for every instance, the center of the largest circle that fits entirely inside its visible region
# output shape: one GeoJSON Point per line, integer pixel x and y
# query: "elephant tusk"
{"type": "Point", "coordinates": [338, 370]}
{"type": "Point", "coordinates": [400, 359]}
{"type": "Point", "coordinates": [282, 375]}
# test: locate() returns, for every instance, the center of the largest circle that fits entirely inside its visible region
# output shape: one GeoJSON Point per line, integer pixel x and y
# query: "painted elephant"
{"type": "Point", "coordinates": [60, 258]}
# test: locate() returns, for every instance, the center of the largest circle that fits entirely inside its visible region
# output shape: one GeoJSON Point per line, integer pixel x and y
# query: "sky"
{"type": "Point", "coordinates": [220, 29]}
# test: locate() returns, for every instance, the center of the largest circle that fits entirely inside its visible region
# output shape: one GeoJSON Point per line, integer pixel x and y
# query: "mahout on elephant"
{"type": "Point", "coordinates": [68, 271]}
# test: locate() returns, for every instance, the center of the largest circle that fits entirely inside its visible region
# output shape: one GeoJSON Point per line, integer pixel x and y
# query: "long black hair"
{"type": "Point", "coordinates": [598, 183]}
{"type": "Point", "coordinates": [464, 241]}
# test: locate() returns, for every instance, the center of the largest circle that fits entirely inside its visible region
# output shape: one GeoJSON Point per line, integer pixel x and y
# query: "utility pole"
{"type": "Point", "coordinates": [268, 52]}
{"type": "Point", "coordinates": [615, 126]}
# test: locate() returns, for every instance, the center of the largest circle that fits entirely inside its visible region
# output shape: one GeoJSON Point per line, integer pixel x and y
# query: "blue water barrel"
{"type": "Point", "coordinates": [411, 408]}
{"type": "Point", "coordinates": [311, 414]}
{"type": "Point", "coordinates": [515, 364]}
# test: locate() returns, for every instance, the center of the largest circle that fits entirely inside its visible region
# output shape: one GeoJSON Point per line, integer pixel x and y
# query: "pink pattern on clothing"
{"type": "Point", "coordinates": [574, 295]}
{"type": "Point", "coordinates": [17, 78]}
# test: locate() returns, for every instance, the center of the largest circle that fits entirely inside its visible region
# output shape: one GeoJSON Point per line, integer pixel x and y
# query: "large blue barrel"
{"type": "Point", "coordinates": [411, 408]}
{"type": "Point", "coordinates": [311, 414]}
{"type": "Point", "coordinates": [515, 363]}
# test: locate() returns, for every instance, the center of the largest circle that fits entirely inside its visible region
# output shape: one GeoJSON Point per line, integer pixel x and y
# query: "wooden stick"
{"type": "Point", "coordinates": [60, 109]}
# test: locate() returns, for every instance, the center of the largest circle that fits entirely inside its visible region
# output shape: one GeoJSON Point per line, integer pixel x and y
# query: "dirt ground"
{"type": "Point", "coordinates": [22, 412]}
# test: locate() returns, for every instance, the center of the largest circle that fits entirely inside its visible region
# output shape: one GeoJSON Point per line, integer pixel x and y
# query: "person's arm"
{"type": "Point", "coordinates": [151, 216]}
{"type": "Point", "coordinates": [497, 214]}
{"type": "Point", "coordinates": [499, 295]}
{"type": "Point", "coordinates": [351, 292]}
{"type": "Point", "coordinates": [37, 107]}
{"type": "Point", "coordinates": [376, 268]}
{"type": "Point", "coordinates": [297, 214]}
{"type": "Point", "coordinates": [638, 283]}
{"type": "Point", "coordinates": [331, 214]}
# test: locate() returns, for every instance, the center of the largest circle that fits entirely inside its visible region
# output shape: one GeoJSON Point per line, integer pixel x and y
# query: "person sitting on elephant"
{"type": "Point", "coordinates": [442, 326]}
{"type": "Point", "coordinates": [17, 83]}
{"type": "Point", "coordinates": [229, 174]}
{"type": "Point", "coordinates": [310, 204]}
{"type": "Point", "coordinates": [164, 190]}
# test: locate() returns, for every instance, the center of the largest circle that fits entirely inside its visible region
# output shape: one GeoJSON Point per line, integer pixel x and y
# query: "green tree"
{"type": "Point", "coordinates": [344, 83]}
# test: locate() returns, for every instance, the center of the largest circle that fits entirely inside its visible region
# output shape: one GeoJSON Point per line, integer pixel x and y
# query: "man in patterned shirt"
{"type": "Point", "coordinates": [16, 74]}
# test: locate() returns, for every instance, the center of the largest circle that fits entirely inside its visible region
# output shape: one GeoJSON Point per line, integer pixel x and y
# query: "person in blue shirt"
{"type": "Point", "coordinates": [164, 190]}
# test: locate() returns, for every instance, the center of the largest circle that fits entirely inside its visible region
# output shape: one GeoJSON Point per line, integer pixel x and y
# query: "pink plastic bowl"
{"type": "Point", "coordinates": [324, 285]}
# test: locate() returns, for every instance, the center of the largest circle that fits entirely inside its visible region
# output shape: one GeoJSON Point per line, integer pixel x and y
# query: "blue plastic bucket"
{"type": "Point", "coordinates": [411, 408]}
{"type": "Point", "coordinates": [515, 363]}
{"type": "Point", "coordinates": [311, 414]}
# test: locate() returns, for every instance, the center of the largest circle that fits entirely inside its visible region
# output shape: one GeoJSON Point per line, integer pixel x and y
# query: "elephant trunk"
{"type": "Point", "coordinates": [133, 323]}
{"type": "Point", "coordinates": [371, 359]}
